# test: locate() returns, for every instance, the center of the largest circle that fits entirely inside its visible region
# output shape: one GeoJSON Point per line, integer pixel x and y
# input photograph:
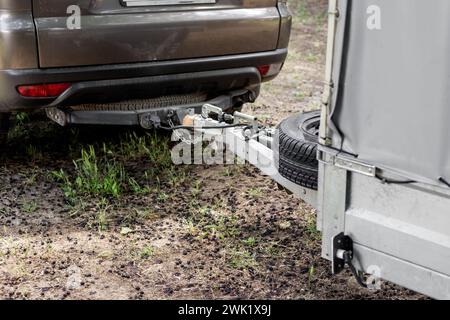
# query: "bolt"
{"type": "Point", "coordinates": [248, 133]}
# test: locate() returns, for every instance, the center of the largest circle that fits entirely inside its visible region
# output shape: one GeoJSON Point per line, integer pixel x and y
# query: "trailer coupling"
{"type": "Point", "coordinates": [244, 137]}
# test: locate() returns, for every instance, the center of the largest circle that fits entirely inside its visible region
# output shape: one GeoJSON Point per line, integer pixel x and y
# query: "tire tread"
{"type": "Point", "coordinates": [298, 156]}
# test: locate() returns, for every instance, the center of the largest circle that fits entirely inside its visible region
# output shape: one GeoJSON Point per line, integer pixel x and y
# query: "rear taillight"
{"type": "Point", "coordinates": [269, 70]}
{"type": "Point", "coordinates": [264, 70]}
{"type": "Point", "coordinates": [43, 90]}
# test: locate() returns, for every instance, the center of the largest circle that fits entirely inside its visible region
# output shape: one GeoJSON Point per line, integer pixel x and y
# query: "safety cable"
{"type": "Point", "coordinates": [441, 179]}
{"type": "Point", "coordinates": [202, 128]}
{"type": "Point", "coordinates": [390, 181]}
{"type": "Point", "coordinates": [348, 258]}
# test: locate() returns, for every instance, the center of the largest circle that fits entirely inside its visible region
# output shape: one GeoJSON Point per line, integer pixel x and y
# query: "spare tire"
{"type": "Point", "coordinates": [298, 139]}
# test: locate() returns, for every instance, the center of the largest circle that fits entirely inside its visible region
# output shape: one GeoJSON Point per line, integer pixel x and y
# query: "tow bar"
{"type": "Point", "coordinates": [243, 136]}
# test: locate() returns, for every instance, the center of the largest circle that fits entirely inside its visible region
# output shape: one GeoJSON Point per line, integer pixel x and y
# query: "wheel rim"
{"type": "Point", "coordinates": [311, 126]}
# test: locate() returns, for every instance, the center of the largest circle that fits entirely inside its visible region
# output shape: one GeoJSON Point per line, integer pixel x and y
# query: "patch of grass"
{"type": "Point", "coordinates": [241, 259]}
{"type": "Point", "coordinates": [141, 253]}
{"type": "Point", "coordinates": [300, 95]}
{"type": "Point", "coordinates": [271, 250]}
{"type": "Point", "coordinates": [191, 227]}
{"type": "Point", "coordinates": [98, 178]}
{"type": "Point", "coordinates": [311, 227]}
{"type": "Point", "coordinates": [204, 211]}
{"type": "Point", "coordinates": [133, 146]}
{"type": "Point", "coordinates": [147, 252]}
{"type": "Point", "coordinates": [249, 242]}
{"type": "Point", "coordinates": [312, 58]}
{"type": "Point", "coordinates": [77, 207]}
{"type": "Point", "coordinates": [219, 203]}
{"type": "Point", "coordinates": [102, 218]}
{"type": "Point", "coordinates": [29, 206]}
{"type": "Point", "coordinates": [162, 197]}
{"type": "Point", "coordinates": [138, 215]}
{"type": "Point", "coordinates": [93, 177]}
{"type": "Point", "coordinates": [206, 222]}
{"type": "Point", "coordinates": [153, 146]}
{"type": "Point", "coordinates": [302, 12]}
{"type": "Point", "coordinates": [196, 188]}
{"type": "Point", "coordinates": [309, 11]}
{"type": "Point", "coordinates": [222, 228]}
{"type": "Point", "coordinates": [159, 152]}
{"type": "Point", "coordinates": [315, 234]}
{"type": "Point", "coordinates": [137, 188]}
{"type": "Point", "coordinates": [133, 166]}
{"type": "Point", "coordinates": [30, 177]}
{"type": "Point", "coordinates": [100, 171]}
{"type": "Point", "coordinates": [255, 193]}
{"type": "Point", "coordinates": [228, 171]}
{"type": "Point", "coordinates": [176, 177]}
{"type": "Point", "coordinates": [102, 221]}
{"type": "Point", "coordinates": [19, 129]}
{"type": "Point", "coordinates": [22, 118]}
{"type": "Point", "coordinates": [33, 153]}
{"type": "Point", "coordinates": [67, 186]}
{"type": "Point", "coordinates": [311, 274]}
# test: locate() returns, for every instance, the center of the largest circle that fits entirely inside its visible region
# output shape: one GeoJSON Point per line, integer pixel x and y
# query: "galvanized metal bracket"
{"type": "Point", "coordinates": [347, 163]}
{"type": "Point", "coordinates": [57, 115]}
{"type": "Point", "coordinates": [355, 166]}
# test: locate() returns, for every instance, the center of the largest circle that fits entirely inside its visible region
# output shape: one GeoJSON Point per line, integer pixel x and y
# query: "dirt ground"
{"type": "Point", "coordinates": [164, 231]}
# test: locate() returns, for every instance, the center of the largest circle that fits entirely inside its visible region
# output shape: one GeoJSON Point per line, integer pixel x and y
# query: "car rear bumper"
{"type": "Point", "coordinates": [144, 117]}
{"type": "Point", "coordinates": [112, 83]}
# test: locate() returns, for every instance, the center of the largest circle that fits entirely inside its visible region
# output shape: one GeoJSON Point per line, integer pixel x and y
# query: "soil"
{"type": "Point", "coordinates": [204, 232]}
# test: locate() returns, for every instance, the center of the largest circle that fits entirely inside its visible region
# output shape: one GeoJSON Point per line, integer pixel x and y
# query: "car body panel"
{"type": "Point", "coordinates": [111, 33]}
{"type": "Point", "coordinates": [17, 35]}
{"type": "Point", "coordinates": [15, 5]}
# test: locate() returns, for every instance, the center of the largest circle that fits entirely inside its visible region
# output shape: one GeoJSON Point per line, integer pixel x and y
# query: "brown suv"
{"type": "Point", "coordinates": [136, 62]}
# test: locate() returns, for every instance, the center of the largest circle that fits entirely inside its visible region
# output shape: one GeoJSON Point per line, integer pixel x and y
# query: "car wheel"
{"type": "Point", "coordinates": [298, 139]}
{"type": "Point", "coordinates": [4, 127]}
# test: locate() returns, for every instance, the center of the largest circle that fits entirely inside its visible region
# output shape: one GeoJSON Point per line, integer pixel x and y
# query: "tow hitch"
{"type": "Point", "coordinates": [247, 139]}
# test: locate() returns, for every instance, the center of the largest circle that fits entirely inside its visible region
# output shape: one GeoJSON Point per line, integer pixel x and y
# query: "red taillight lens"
{"type": "Point", "coordinates": [270, 70]}
{"type": "Point", "coordinates": [43, 90]}
{"type": "Point", "coordinates": [264, 70]}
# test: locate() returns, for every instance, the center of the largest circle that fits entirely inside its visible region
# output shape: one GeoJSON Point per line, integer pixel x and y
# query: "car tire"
{"type": "Point", "coordinates": [4, 127]}
{"type": "Point", "coordinates": [297, 143]}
